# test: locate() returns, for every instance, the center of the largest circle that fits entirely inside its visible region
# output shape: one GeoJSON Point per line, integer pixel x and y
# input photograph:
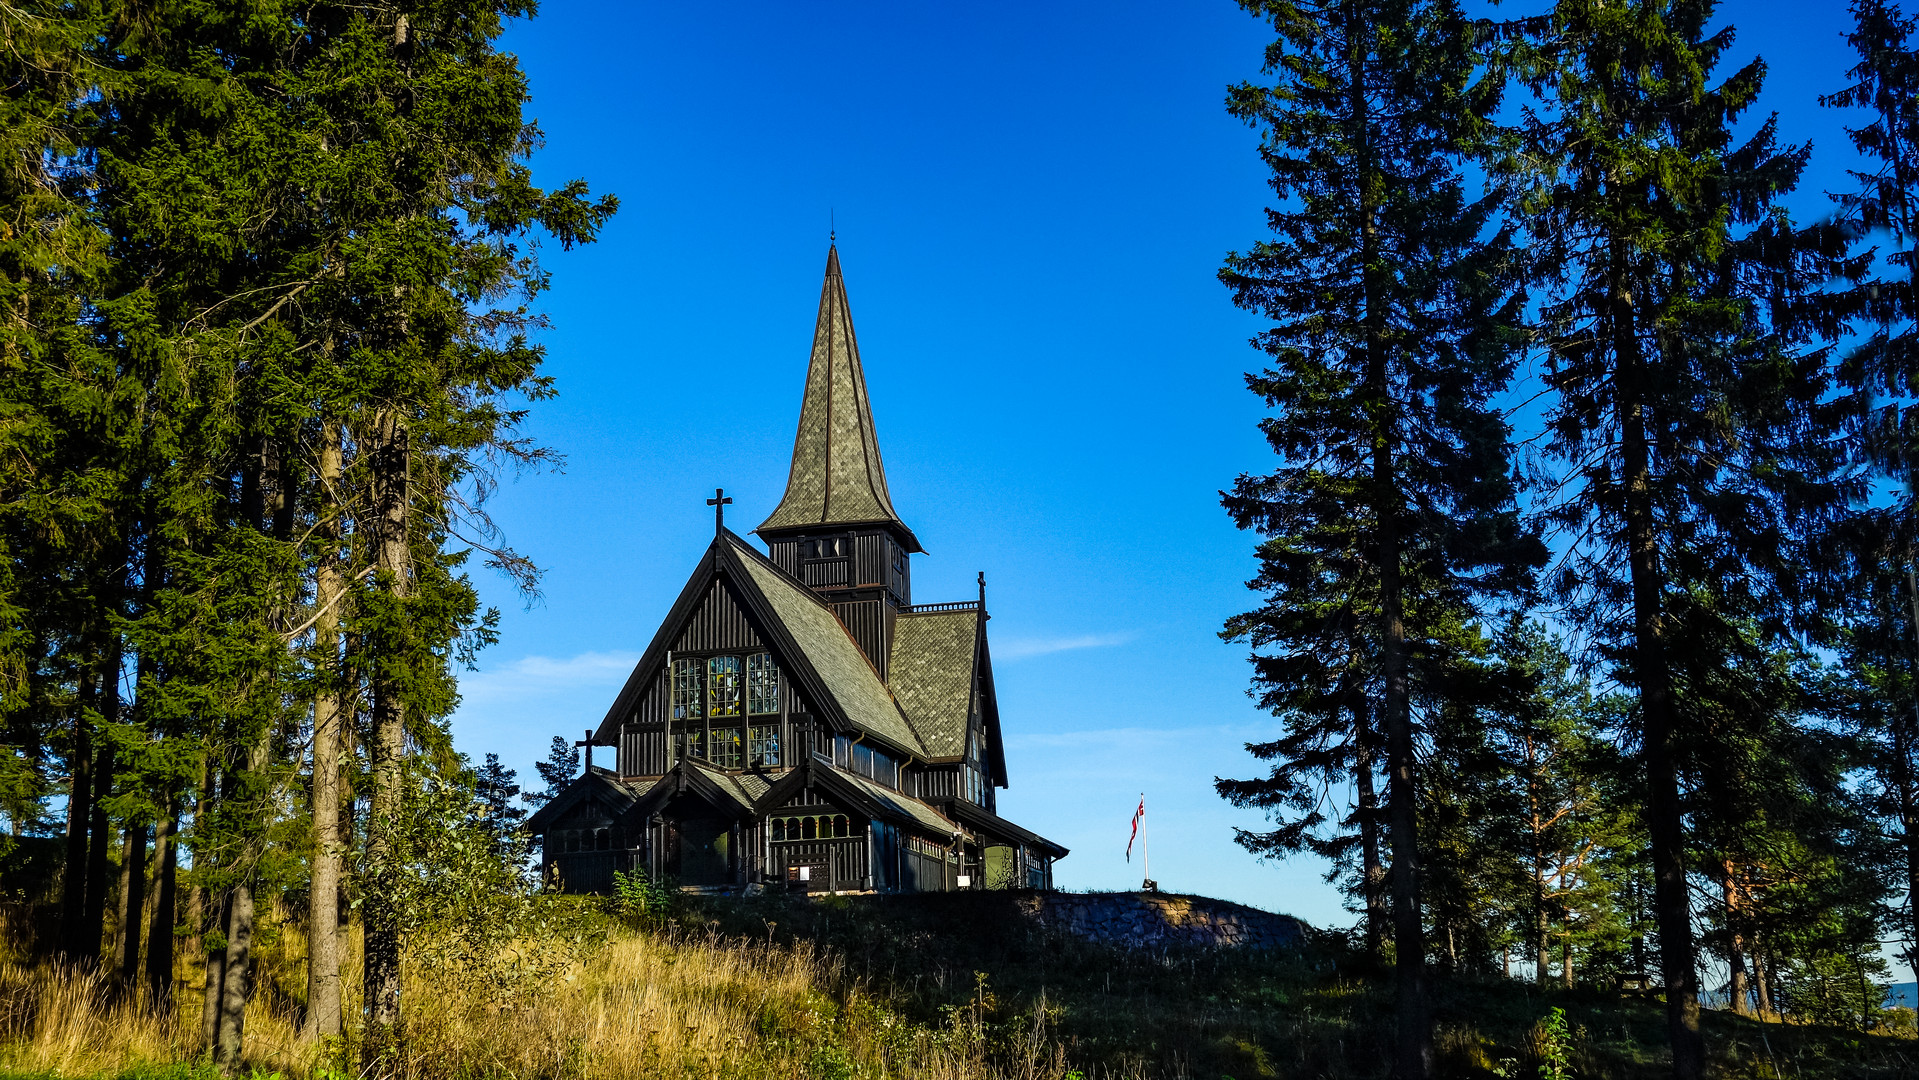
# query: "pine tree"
{"type": "Point", "coordinates": [314, 245]}
{"type": "Point", "coordinates": [1391, 513]}
{"type": "Point", "coordinates": [1881, 642]}
{"type": "Point", "coordinates": [494, 784]}
{"type": "Point", "coordinates": [1692, 411]}
{"type": "Point", "coordinates": [562, 762]}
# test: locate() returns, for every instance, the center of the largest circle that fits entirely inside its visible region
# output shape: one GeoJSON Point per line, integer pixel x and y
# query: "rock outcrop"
{"type": "Point", "coordinates": [1157, 920]}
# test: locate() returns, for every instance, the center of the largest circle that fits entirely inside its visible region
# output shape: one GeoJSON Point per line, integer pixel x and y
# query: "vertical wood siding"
{"type": "Point", "coordinates": [717, 624]}
{"type": "Point", "coordinates": [865, 620]}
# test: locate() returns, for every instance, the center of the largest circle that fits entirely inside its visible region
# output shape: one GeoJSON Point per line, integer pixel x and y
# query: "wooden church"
{"type": "Point", "coordinates": [798, 721]}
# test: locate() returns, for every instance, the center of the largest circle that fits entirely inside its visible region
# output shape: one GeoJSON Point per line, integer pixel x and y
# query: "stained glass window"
{"type": "Point", "coordinates": [696, 743]}
{"type": "Point", "coordinates": [723, 686]}
{"type": "Point", "coordinates": [763, 746]}
{"type": "Point", "coordinates": [762, 685]}
{"type": "Point", "coordinates": [723, 747]}
{"type": "Point", "coordinates": [689, 697]}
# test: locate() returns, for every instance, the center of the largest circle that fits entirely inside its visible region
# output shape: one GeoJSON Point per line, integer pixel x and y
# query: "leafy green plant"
{"type": "Point", "coordinates": [1554, 1042]}
{"type": "Point", "coordinates": [638, 899]}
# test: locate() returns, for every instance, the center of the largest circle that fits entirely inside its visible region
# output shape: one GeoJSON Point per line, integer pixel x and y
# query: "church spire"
{"type": "Point", "coordinates": [837, 477]}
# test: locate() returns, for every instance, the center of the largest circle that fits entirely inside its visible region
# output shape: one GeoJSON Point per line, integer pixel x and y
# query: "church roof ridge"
{"type": "Point", "coordinates": [837, 476]}
{"type": "Point", "coordinates": [850, 675]}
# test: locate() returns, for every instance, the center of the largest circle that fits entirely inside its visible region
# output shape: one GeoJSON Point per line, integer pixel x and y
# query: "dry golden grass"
{"type": "Point", "coordinates": [640, 1005]}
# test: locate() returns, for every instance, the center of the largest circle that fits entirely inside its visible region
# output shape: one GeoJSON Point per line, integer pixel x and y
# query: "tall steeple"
{"type": "Point", "coordinates": [837, 479]}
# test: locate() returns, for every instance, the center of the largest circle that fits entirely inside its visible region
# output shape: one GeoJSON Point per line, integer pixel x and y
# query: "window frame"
{"type": "Point", "coordinates": [711, 699]}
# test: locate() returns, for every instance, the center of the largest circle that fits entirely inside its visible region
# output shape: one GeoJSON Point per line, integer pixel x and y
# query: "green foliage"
{"type": "Point", "coordinates": [639, 900]}
{"type": "Point", "coordinates": [1389, 519]}
{"type": "Point", "coordinates": [558, 770]}
{"type": "Point", "coordinates": [1554, 1045]}
{"type": "Point", "coordinates": [471, 910]}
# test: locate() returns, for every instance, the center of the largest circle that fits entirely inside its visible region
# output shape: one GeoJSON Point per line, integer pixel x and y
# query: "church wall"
{"type": "Point", "coordinates": [936, 782]}
{"type": "Point", "coordinates": [832, 862]}
{"type": "Point", "coordinates": [717, 625]}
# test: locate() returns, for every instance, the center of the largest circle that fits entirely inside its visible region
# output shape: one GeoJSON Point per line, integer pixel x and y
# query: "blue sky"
{"type": "Point", "coordinates": [1032, 201]}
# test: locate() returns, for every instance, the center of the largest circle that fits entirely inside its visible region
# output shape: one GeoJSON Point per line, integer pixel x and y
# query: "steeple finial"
{"type": "Point", "coordinates": [837, 477]}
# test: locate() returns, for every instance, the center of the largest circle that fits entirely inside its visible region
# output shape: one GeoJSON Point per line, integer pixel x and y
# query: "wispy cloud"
{"type": "Point", "coordinates": [1022, 648]}
{"type": "Point", "coordinates": [532, 676]}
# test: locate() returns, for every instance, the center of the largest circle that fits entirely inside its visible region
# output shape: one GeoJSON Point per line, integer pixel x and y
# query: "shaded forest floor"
{"type": "Point", "coordinates": [1240, 1014]}
{"type": "Point", "coordinates": [945, 987]}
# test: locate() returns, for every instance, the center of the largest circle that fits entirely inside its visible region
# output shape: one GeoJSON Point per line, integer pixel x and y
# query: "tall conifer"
{"type": "Point", "coordinates": [1692, 413]}
{"type": "Point", "coordinates": [1391, 512]}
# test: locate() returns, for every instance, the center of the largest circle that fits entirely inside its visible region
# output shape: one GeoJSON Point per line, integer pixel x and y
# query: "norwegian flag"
{"type": "Point", "coordinates": [1137, 814]}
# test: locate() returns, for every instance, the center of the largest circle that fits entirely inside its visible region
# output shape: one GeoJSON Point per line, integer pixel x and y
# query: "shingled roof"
{"type": "Point", "coordinates": [823, 641]}
{"type": "Point", "coordinates": [932, 675]}
{"type": "Point", "coordinates": [837, 477]}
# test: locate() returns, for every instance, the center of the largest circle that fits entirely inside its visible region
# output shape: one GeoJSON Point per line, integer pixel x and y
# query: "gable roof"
{"type": "Point", "coordinates": [819, 636]}
{"type": "Point", "coordinates": [597, 785]}
{"type": "Point", "coordinates": [932, 672]}
{"type": "Point", "coordinates": [837, 477]}
{"type": "Point", "coordinates": [857, 793]}
{"type": "Point", "coordinates": [813, 646]}
{"type": "Point", "coordinates": [734, 794]}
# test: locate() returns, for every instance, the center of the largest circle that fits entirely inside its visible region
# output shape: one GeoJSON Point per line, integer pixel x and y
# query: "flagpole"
{"type": "Point", "coordinates": [1145, 838]}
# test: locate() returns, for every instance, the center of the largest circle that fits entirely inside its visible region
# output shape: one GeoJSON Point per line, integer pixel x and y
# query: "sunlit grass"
{"type": "Point", "coordinates": [643, 1004]}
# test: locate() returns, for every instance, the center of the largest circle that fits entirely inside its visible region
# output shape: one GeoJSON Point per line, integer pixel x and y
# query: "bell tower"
{"type": "Point", "coordinates": [835, 529]}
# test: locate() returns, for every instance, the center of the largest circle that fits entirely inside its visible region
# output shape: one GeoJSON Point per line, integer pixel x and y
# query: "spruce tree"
{"type": "Point", "coordinates": [1391, 512]}
{"type": "Point", "coordinates": [1881, 638]}
{"type": "Point", "coordinates": [1692, 414]}
{"type": "Point", "coordinates": [561, 764]}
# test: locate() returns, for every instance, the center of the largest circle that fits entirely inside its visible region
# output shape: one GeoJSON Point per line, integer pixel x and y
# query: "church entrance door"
{"type": "Point", "coordinates": [704, 852]}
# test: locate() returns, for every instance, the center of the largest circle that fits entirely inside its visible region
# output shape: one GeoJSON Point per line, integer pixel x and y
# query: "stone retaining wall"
{"type": "Point", "coordinates": [1151, 920]}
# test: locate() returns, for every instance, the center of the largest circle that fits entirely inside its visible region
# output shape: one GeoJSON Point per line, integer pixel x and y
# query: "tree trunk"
{"type": "Point", "coordinates": [1903, 729]}
{"type": "Point", "coordinates": [133, 902]}
{"type": "Point", "coordinates": [1761, 983]}
{"type": "Point", "coordinates": [200, 913]}
{"type": "Point", "coordinates": [1736, 986]}
{"type": "Point", "coordinates": [236, 982]}
{"type": "Point", "coordinates": [93, 924]}
{"type": "Point", "coordinates": [1374, 883]}
{"type": "Point", "coordinates": [100, 825]}
{"type": "Point", "coordinates": [160, 934]}
{"type": "Point", "coordinates": [228, 979]}
{"type": "Point", "coordinates": [1542, 959]}
{"type": "Point", "coordinates": [387, 451]}
{"type": "Point", "coordinates": [213, 990]}
{"type": "Point", "coordinates": [323, 927]}
{"type": "Point", "coordinates": [1542, 927]}
{"type": "Point", "coordinates": [1566, 949]}
{"type": "Point", "coordinates": [1412, 1058]}
{"type": "Point", "coordinates": [1671, 909]}
{"type": "Point", "coordinates": [80, 792]}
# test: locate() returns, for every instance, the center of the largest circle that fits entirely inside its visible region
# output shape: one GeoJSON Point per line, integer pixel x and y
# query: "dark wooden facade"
{"type": "Point", "coordinates": [797, 722]}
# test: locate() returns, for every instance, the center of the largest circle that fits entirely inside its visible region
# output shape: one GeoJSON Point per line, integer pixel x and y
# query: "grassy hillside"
{"type": "Point", "coordinates": [1228, 1013]}
{"type": "Point", "coordinates": [937, 987]}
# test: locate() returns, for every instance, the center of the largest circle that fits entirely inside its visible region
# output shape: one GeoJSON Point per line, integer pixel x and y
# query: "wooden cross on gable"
{"type": "Point", "coordinates": [718, 503]}
{"type": "Point", "coordinates": [588, 743]}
